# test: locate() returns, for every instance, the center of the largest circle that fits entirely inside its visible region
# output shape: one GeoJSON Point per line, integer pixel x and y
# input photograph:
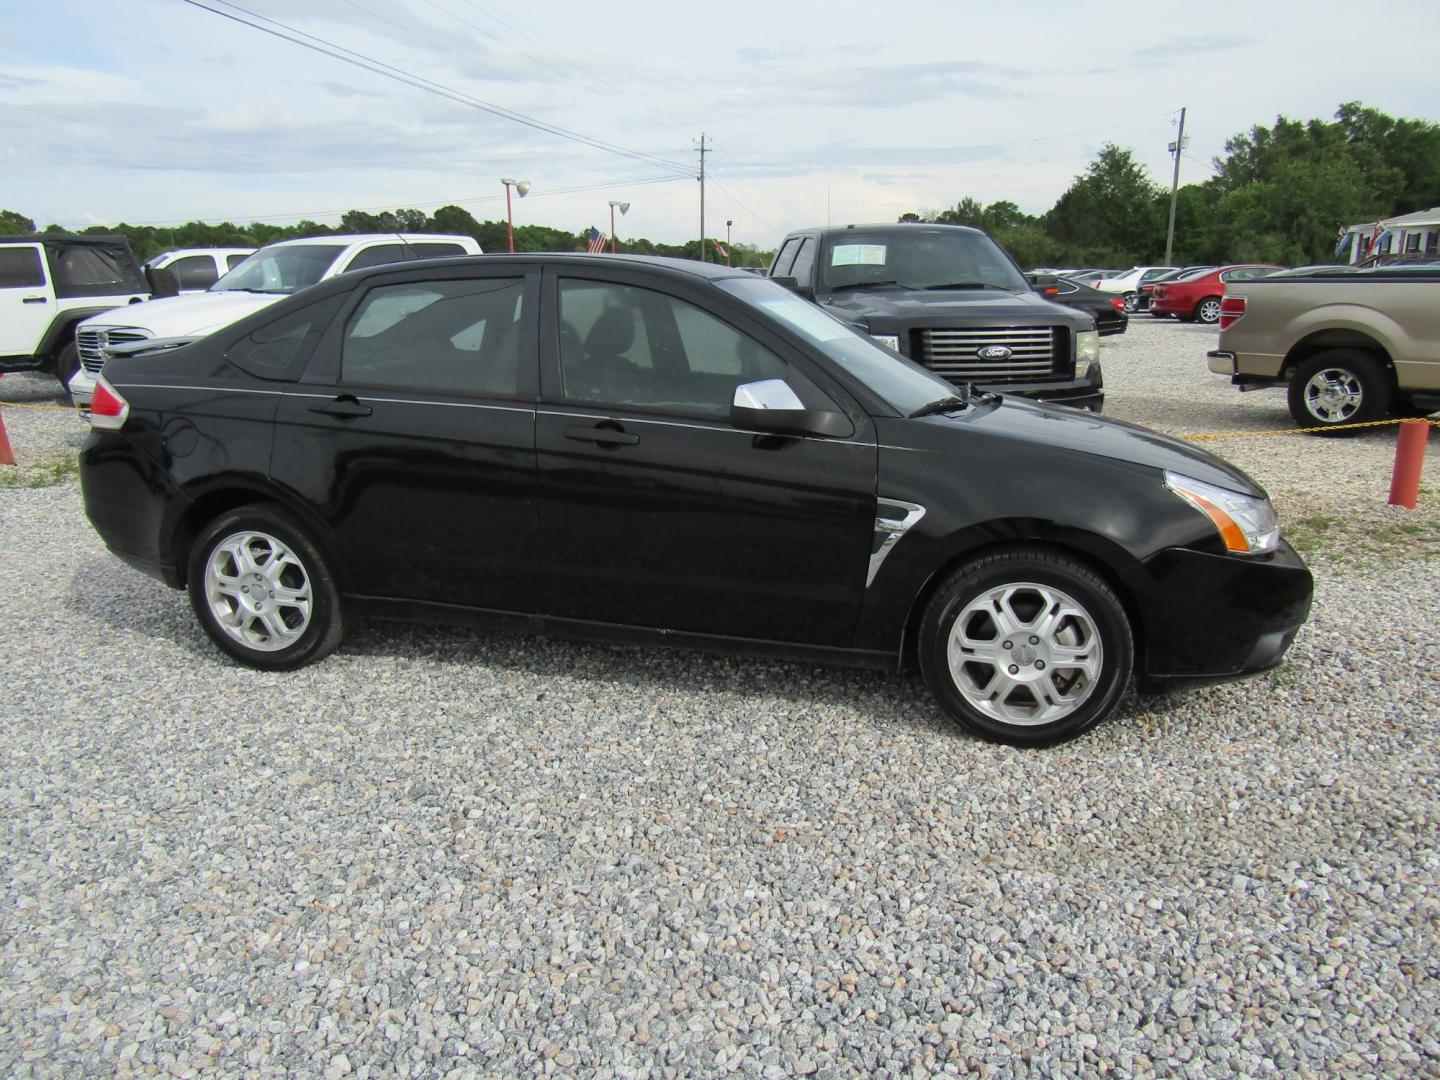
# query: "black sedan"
{"type": "Point", "coordinates": [1106, 309]}
{"type": "Point", "coordinates": [665, 452]}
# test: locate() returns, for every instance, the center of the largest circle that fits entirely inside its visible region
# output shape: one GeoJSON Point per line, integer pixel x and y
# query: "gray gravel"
{"type": "Point", "coordinates": [442, 852]}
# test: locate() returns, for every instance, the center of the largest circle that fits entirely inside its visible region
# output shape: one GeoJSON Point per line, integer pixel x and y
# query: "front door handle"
{"type": "Point", "coordinates": [605, 436]}
{"type": "Point", "coordinates": [346, 408]}
{"type": "Point", "coordinates": [32, 299]}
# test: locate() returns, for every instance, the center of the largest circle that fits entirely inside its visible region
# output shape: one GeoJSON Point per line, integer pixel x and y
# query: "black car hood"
{"type": "Point", "coordinates": [1082, 432]}
{"type": "Point", "coordinates": [990, 306]}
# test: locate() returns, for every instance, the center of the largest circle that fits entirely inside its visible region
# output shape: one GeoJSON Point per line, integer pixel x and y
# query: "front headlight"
{"type": "Point", "coordinates": [890, 341]}
{"type": "Point", "coordinates": [1087, 351]}
{"type": "Point", "coordinates": [1245, 523]}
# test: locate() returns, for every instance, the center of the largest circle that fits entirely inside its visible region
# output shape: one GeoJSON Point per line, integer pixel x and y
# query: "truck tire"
{"type": "Point", "coordinates": [1337, 387]}
{"type": "Point", "coordinates": [66, 364]}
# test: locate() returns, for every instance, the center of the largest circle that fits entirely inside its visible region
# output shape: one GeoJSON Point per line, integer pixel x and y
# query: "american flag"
{"type": "Point", "coordinates": [597, 241]}
{"type": "Point", "coordinates": [721, 251]}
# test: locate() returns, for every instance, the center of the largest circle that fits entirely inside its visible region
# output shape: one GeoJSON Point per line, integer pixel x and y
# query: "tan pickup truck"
{"type": "Point", "coordinates": [1349, 347]}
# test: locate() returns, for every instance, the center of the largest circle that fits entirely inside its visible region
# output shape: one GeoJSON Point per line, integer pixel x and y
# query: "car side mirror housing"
{"type": "Point", "coordinates": [772, 407]}
{"type": "Point", "coordinates": [162, 283]}
{"type": "Point", "coordinates": [794, 285]}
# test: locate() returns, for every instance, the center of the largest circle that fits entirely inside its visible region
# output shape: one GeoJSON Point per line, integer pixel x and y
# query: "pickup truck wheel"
{"type": "Point", "coordinates": [1338, 386]}
{"type": "Point", "coordinates": [66, 364]}
{"type": "Point", "coordinates": [1027, 647]}
{"type": "Point", "coordinates": [262, 591]}
{"type": "Point", "coordinates": [1208, 310]}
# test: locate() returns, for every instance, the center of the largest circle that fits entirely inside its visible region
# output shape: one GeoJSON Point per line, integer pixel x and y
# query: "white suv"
{"type": "Point", "coordinates": [48, 284]}
{"type": "Point", "coordinates": [196, 269]}
{"type": "Point", "coordinates": [270, 274]}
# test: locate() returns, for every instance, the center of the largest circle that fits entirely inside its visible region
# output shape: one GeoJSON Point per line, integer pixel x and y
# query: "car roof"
{"type": "Point", "coordinates": [703, 271]}
{"type": "Point", "coordinates": [885, 226]}
{"type": "Point", "coordinates": [65, 239]}
{"type": "Point", "coordinates": [360, 238]}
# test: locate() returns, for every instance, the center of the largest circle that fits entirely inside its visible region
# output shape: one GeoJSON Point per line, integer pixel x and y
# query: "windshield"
{"type": "Point", "coordinates": [281, 268]}
{"type": "Point", "coordinates": [903, 385]}
{"type": "Point", "coordinates": [917, 258]}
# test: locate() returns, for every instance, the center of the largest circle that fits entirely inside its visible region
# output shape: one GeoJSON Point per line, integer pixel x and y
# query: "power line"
{"type": "Point", "coordinates": [379, 67]}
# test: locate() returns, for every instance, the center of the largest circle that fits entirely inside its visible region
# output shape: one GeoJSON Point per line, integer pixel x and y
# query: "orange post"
{"type": "Point", "coordinates": [1409, 457]}
{"type": "Point", "coordinates": [7, 456]}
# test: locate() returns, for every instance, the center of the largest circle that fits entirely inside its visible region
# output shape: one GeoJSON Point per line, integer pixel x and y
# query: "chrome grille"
{"type": "Point", "coordinates": [954, 354]}
{"type": "Point", "coordinates": [90, 344]}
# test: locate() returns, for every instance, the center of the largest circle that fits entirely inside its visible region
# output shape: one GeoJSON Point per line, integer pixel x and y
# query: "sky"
{"type": "Point", "coordinates": [160, 112]}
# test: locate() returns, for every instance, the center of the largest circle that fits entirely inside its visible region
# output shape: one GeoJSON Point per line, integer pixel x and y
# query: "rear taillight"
{"type": "Point", "coordinates": [1118, 303]}
{"type": "Point", "coordinates": [1231, 308]}
{"type": "Point", "coordinates": [108, 410]}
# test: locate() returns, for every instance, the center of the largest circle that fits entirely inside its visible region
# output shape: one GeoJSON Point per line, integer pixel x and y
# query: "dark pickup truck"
{"type": "Point", "coordinates": [951, 299]}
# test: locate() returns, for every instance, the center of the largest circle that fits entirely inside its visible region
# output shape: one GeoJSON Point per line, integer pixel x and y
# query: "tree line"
{"type": "Point", "coordinates": [148, 240]}
{"type": "Point", "coordinates": [1278, 194]}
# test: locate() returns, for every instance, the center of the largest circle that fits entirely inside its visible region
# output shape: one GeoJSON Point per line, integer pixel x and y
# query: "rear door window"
{"type": "Point", "coordinates": [194, 271]}
{"type": "Point", "coordinates": [453, 336]}
{"type": "Point", "coordinates": [433, 249]}
{"type": "Point", "coordinates": [379, 256]}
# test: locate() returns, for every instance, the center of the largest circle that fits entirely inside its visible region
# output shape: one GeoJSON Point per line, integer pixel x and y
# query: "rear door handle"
{"type": "Point", "coordinates": [605, 436]}
{"type": "Point", "coordinates": [32, 299]}
{"type": "Point", "coordinates": [346, 408]}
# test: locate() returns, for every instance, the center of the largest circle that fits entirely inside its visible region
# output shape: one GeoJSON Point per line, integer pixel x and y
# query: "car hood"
{"type": "Point", "coordinates": [1076, 431]}
{"type": "Point", "coordinates": [189, 315]}
{"type": "Point", "coordinates": [988, 306]}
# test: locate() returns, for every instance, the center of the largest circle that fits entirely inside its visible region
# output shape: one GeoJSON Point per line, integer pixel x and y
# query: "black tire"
{"type": "Point", "coordinates": [1339, 386]}
{"type": "Point", "coordinates": [262, 547]}
{"type": "Point", "coordinates": [974, 690]}
{"type": "Point", "coordinates": [1207, 311]}
{"type": "Point", "coordinates": [67, 363]}
{"type": "Point", "coordinates": [1132, 303]}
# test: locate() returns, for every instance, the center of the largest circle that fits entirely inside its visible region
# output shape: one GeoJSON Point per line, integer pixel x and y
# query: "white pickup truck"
{"type": "Point", "coordinates": [270, 274]}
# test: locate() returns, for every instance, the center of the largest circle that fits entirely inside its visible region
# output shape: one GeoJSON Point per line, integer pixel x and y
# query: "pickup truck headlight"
{"type": "Point", "coordinates": [1087, 351]}
{"type": "Point", "coordinates": [1246, 524]}
{"type": "Point", "coordinates": [890, 341]}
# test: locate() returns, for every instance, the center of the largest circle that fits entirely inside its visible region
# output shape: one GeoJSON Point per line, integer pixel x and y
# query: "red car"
{"type": "Point", "coordinates": [1197, 295]}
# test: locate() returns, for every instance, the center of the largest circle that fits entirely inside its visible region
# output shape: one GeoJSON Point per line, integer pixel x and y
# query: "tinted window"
{"type": "Point", "coordinates": [232, 261]}
{"type": "Point", "coordinates": [804, 269]}
{"type": "Point", "coordinates": [457, 336]}
{"type": "Point", "coordinates": [95, 269]}
{"type": "Point", "coordinates": [281, 349]}
{"type": "Point", "coordinates": [786, 257]}
{"type": "Point", "coordinates": [194, 271]}
{"type": "Point", "coordinates": [631, 346]}
{"type": "Point", "coordinates": [432, 249]}
{"type": "Point", "coordinates": [20, 268]}
{"type": "Point", "coordinates": [379, 256]}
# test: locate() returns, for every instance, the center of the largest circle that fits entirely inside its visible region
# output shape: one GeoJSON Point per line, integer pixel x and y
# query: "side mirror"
{"type": "Point", "coordinates": [805, 292]}
{"type": "Point", "coordinates": [772, 407]}
{"type": "Point", "coordinates": [162, 283]}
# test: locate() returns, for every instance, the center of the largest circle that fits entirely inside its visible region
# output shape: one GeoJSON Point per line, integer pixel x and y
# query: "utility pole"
{"type": "Point", "coordinates": [702, 197]}
{"type": "Point", "coordinates": [1177, 148]}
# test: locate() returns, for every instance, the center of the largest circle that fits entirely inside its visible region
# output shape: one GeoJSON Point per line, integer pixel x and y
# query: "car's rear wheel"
{"type": "Point", "coordinates": [1132, 304]}
{"type": "Point", "coordinates": [1336, 387]}
{"type": "Point", "coordinates": [67, 363]}
{"type": "Point", "coordinates": [1028, 647]}
{"type": "Point", "coordinates": [1208, 310]}
{"type": "Point", "coordinates": [262, 591]}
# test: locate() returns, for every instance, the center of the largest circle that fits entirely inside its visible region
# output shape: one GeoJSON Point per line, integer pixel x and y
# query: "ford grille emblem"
{"type": "Point", "coordinates": [995, 352]}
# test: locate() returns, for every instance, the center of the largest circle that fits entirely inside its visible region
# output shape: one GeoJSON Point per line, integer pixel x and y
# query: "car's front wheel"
{"type": "Point", "coordinates": [1338, 386]}
{"type": "Point", "coordinates": [67, 363]}
{"type": "Point", "coordinates": [262, 591]}
{"type": "Point", "coordinates": [1028, 647]}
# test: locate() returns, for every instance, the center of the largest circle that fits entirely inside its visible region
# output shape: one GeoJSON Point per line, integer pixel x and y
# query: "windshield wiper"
{"type": "Point", "coordinates": [942, 405]}
{"type": "Point", "coordinates": [863, 285]}
{"type": "Point", "coordinates": [965, 285]}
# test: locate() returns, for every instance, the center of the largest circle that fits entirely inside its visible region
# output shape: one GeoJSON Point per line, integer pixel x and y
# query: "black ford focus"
{"type": "Point", "coordinates": [658, 451]}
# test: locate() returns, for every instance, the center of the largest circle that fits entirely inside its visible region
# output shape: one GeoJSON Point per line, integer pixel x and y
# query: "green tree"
{"type": "Point", "coordinates": [1110, 213]}
{"type": "Point", "coordinates": [12, 222]}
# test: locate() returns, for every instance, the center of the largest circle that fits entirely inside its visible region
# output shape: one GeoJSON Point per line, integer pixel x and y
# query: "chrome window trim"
{"type": "Point", "coordinates": [891, 529]}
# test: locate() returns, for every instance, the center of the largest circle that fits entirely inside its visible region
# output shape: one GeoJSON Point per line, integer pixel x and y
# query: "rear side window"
{"type": "Point", "coordinates": [281, 349]}
{"type": "Point", "coordinates": [379, 256]}
{"type": "Point", "coordinates": [459, 337]}
{"type": "Point", "coordinates": [435, 249]}
{"type": "Point", "coordinates": [232, 261]}
{"type": "Point", "coordinates": [194, 271]}
{"type": "Point", "coordinates": [20, 268]}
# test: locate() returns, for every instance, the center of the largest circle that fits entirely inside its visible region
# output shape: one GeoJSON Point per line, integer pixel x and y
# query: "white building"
{"type": "Point", "coordinates": [1413, 234]}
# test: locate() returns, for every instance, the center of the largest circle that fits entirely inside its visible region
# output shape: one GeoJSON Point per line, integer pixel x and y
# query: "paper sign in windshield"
{"type": "Point", "coordinates": [857, 255]}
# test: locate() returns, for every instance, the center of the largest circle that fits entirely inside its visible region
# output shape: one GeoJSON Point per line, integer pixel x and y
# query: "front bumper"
{"type": "Point", "coordinates": [1215, 617]}
{"type": "Point", "coordinates": [81, 387]}
{"type": "Point", "coordinates": [1087, 393]}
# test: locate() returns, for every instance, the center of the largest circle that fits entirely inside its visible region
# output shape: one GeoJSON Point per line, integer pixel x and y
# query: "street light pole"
{"type": "Point", "coordinates": [727, 241]}
{"type": "Point", "coordinates": [522, 186]}
{"type": "Point", "coordinates": [624, 209]}
{"type": "Point", "coordinates": [1178, 147]}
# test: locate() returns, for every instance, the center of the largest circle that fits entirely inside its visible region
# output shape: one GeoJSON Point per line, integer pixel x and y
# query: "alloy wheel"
{"type": "Point", "coordinates": [1333, 395]}
{"type": "Point", "coordinates": [258, 591]}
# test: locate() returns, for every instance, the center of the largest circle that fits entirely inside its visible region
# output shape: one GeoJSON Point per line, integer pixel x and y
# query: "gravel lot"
{"type": "Point", "coordinates": [442, 852]}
